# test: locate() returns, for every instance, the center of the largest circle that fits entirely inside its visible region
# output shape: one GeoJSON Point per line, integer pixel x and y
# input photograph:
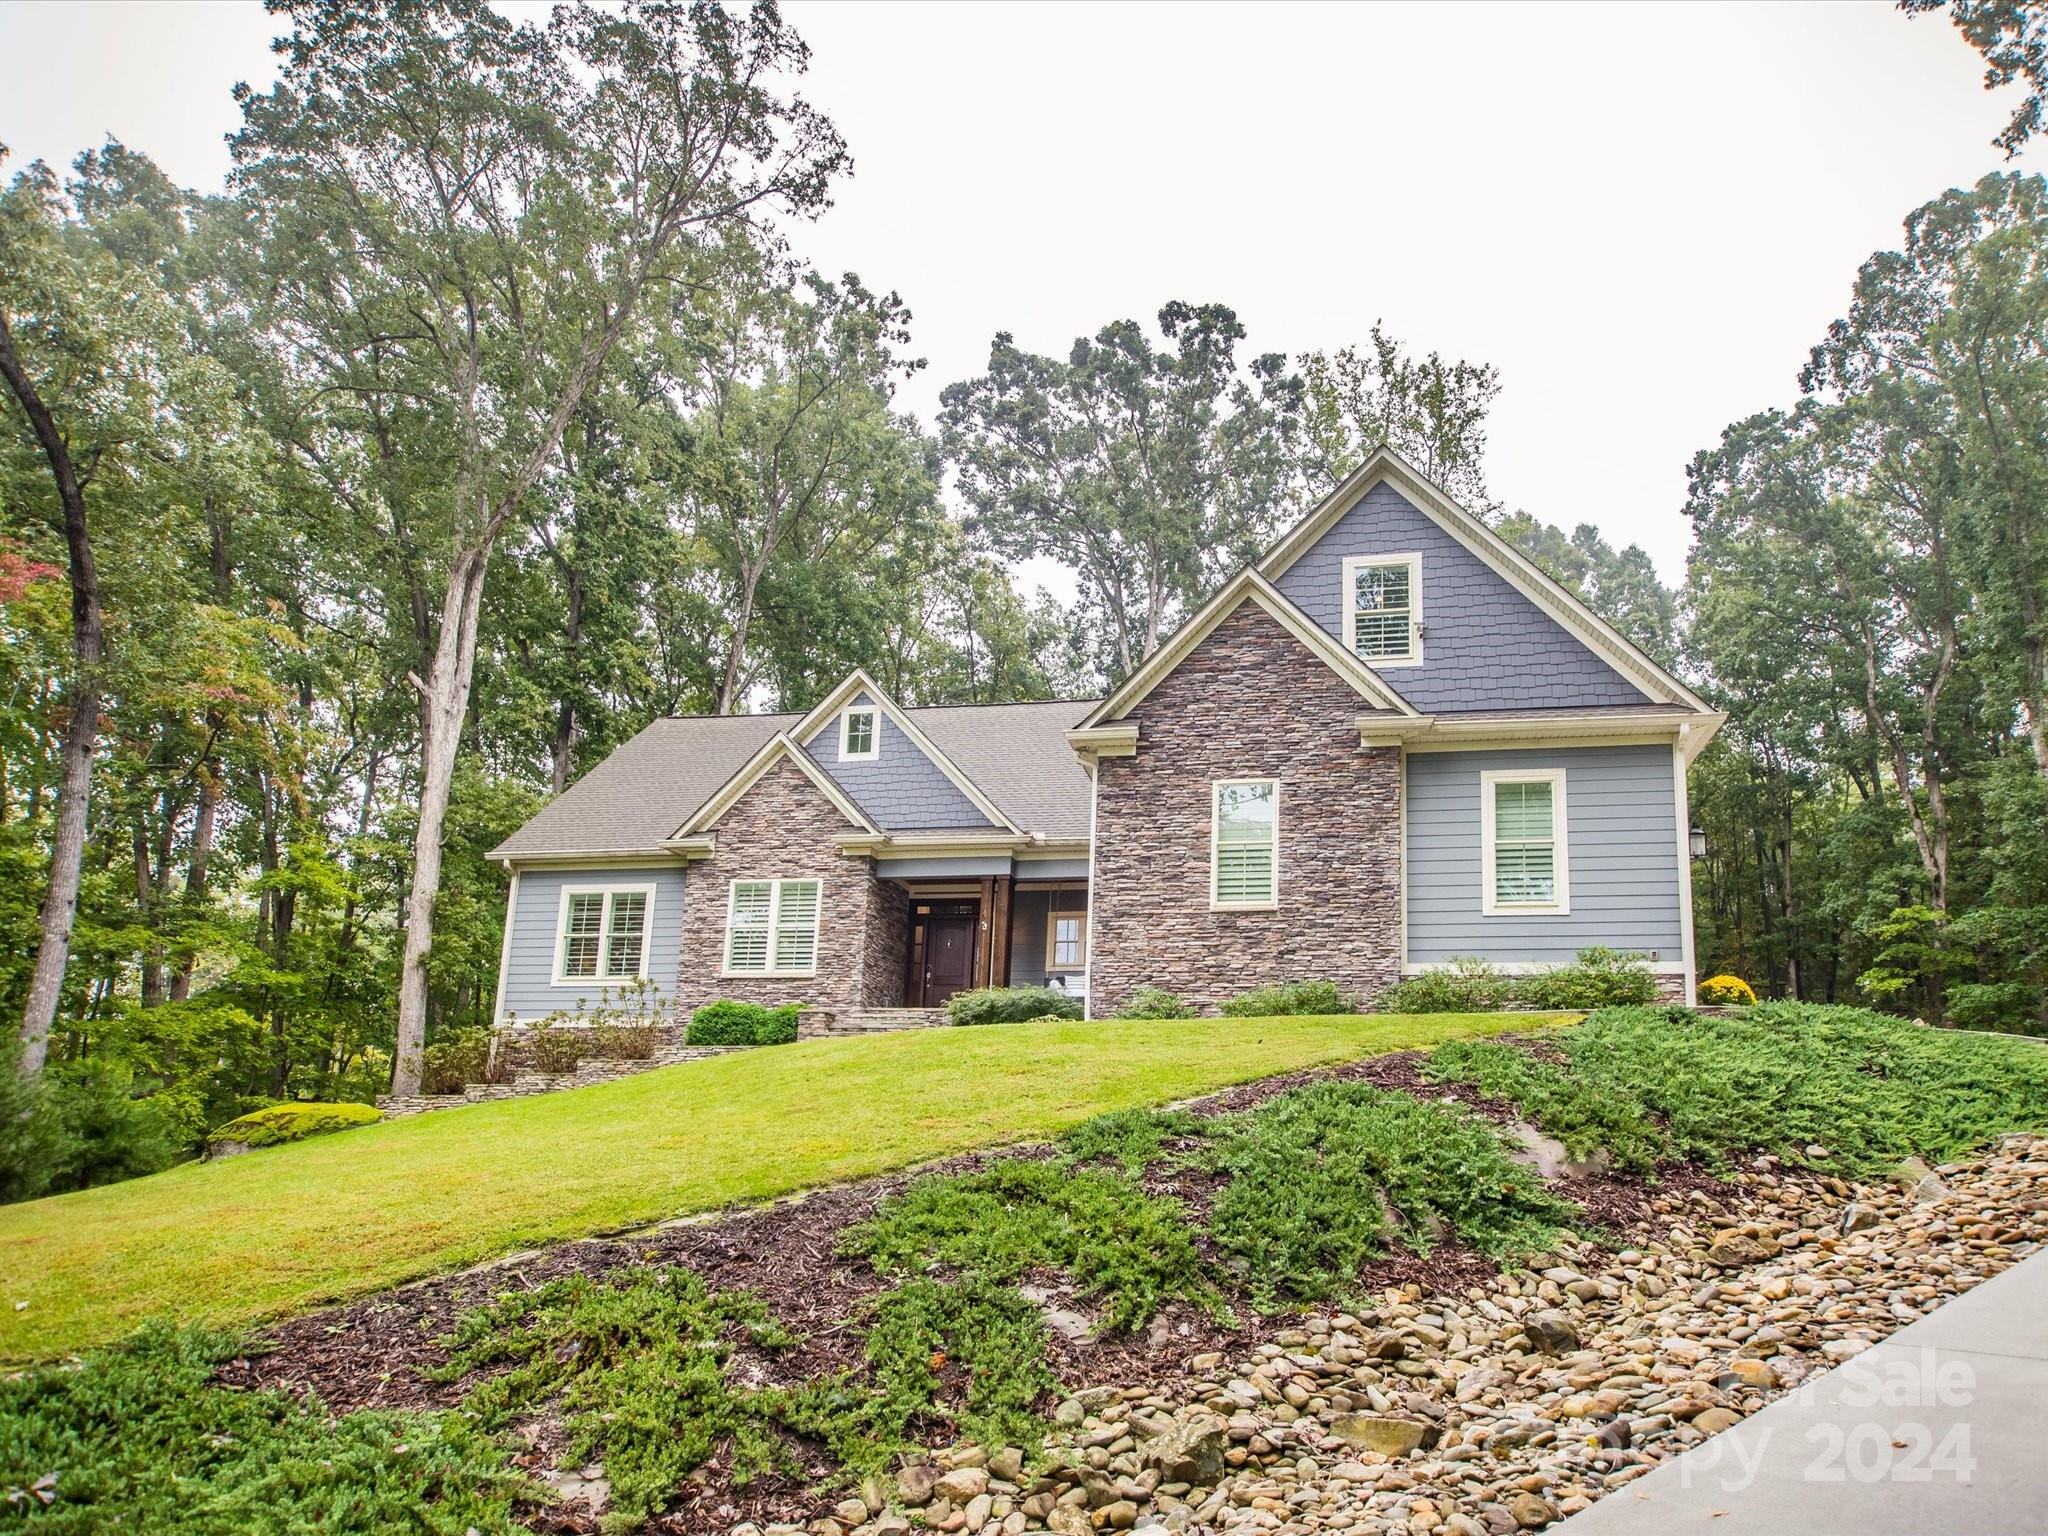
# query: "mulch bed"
{"type": "Point", "coordinates": [377, 1352]}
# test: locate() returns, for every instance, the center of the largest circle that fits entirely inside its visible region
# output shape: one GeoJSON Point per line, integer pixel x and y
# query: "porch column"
{"type": "Point", "coordinates": [984, 930]}
{"type": "Point", "coordinates": [999, 941]}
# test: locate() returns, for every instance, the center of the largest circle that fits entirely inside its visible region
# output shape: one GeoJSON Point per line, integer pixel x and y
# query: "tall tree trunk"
{"type": "Point", "coordinates": [81, 730]}
{"type": "Point", "coordinates": [153, 985]}
{"type": "Point", "coordinates": [562, 756]}
{"type": "Point", "coordinates": [205, 820]}
{"type": "Point", "coordinates": [444, 700]}
{"type": "Point", "coordinates": [730, 686]}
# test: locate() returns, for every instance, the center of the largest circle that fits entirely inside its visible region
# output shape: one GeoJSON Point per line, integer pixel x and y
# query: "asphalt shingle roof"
{"type": "Point", "coordinates": [1016, 754]}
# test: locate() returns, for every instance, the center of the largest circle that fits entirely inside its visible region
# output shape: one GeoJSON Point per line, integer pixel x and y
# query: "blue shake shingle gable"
{"type": "Point", "coordinates": [1486, 646]}
{"type": "Point", "coordinates": [900, 788]}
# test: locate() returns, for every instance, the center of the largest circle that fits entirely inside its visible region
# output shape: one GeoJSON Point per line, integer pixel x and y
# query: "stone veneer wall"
{"type": "Point", "coordinates": [1251, 701]}
{"type": "Point", "coordinates": [784, 828]}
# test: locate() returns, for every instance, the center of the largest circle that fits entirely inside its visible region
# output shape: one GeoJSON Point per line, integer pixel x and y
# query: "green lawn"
{"type": "Point", "coordinates": [290, 1227]}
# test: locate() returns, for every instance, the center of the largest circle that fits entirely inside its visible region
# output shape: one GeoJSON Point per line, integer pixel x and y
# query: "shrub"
{"type": "Point", "coordinates": [1011, 1005]}
{"type": "Point", "coordinates": [623, 1042]}
{"type": "Point", "coordinates": [143, 1439]}
{"type": "Point", "coordinates": [1113, 1239]}
{"type": "Point", "coordinates": [79, 1126]}
{"type": "Point", "coordinates": [452, 1063]}
{"type": "Point", "coordinates": [280, 1123]}
{"type": "Point", "coordinates": [1321, 1177]}
{"type": "Point", "coordinates": [555, 1050]}
{"type": "Point", "coordinates": [1155, 1003]}
{"type": "Point", "coordinates": [726, 1022]}
{"type": "Point", "coordinates": [1468, 986]}
{"type": "Point", "coordinates": [1289, 998]}
{"type": "Point", "coordinates": [1600, 978]}
{"type": "Point", "coordinates": [1727, 992]}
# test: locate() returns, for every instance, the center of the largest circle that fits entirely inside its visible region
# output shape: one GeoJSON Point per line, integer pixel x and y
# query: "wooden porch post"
{"type": "Point", "coordinates": [999, 941]}
{"type": "Point", "coordinates": [984, 930]}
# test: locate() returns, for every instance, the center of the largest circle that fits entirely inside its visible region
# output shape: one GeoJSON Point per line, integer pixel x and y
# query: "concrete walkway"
{"type": "Point", "coordinates": [1942, 1427]}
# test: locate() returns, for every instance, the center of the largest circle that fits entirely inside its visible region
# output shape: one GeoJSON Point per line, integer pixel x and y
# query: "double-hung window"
{"type": "Point", "coordinates": [603, 934]}
{"type": "Point", "coordinates": [1244, 852]}
{"type": "Point", "coordinates": [1383, 608]}
{"type": "Point", "coordinates": [771, 928]}
{"type": "Point", "coordinates": [1066, 941]}
{"type": "Point", "coordinates": [860, 734]}
{"type": "Point", "coordinates": [1525, 864]}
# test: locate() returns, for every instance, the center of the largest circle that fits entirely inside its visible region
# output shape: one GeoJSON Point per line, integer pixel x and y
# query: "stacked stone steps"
{"type": "Point", "coordinates": [877, 1021]}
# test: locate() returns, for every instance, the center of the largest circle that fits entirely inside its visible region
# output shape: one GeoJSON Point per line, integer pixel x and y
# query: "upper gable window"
{"type": "Point", "coordinates": [1383, 608]}
{"type": "Point", "coordinates": [860, 734]}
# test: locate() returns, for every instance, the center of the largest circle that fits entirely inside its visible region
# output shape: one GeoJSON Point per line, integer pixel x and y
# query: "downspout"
{"type": "Point", "coordinates": [1681, 811]}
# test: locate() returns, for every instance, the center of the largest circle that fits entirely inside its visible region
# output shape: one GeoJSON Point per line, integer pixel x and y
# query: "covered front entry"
{"type": "Point", "coordinates": [994, 932]}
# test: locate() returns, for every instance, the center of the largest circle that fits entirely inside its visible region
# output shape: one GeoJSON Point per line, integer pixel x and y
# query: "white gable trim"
{"type": "Point", "coordinates": [1247, 586]}
{"type": "Point", "coordinates": [829, 708]}
{"type": "Point", "coordinates": [1507, 562]}
{"type": "Point", "coordinates": [778, 747]}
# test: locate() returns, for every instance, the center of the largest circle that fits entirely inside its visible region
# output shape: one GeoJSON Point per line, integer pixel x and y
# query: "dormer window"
{"type": "Point", "coordinates": [859, 734]}
{"type": "Point", "coordinates": [1383, 608]}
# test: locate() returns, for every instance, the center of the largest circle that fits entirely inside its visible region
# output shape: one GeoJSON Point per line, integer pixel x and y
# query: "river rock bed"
{"type": "Point", "coordinates": [1502, 1406]}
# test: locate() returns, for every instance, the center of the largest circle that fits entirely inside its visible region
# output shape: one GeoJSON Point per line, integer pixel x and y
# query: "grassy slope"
{"type": "Point", "coordinates": [295, 1226]}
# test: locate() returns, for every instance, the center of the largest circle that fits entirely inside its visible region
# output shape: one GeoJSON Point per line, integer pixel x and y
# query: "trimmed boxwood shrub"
{"type": "Point", "coordinates": [1155, 1003]}
{"type": "Point", "coordinates": [1011, 1005]}
{"type": "Point", "coordinates": [279, 1123]}
{"type": "Point", "coordinates": [1600, 978]}
{"type": "Point", "coordinates": [1287, 998]}
{"type": "Point", "coordinates": [726, 1022]}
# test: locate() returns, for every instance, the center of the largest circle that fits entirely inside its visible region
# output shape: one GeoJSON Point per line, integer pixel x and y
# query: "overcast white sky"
{"type": "Point", "coordinates": [1643, 215]}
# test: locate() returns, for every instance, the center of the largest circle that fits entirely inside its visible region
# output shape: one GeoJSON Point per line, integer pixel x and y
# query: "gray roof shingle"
{"type": "Point", "coordinates": [1016, 754]}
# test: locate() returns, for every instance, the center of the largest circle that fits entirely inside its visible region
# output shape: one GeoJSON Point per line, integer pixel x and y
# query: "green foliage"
{"type": "Point", "coordinates": [1308, 1170]}
{"type": "Point", "coordinates": [279, 1123]}
{"type": "Point", "coordinates": [622, 1042]}
{"type": "Point", "coordinates": [1113, 1240]}
{"type": "Point", "coordinates": [1469, 985]}
{"type": "Point", "coordinates": [1655, 1085]}
{"type": "Point", "coordinates": [1011, 1005]}
{"type": "Point", "coordinates": [1133, 1138]}
{"type": "Point", "coordinates": [456, 1060]}
{"type": "Point", "coordinates": [79, 1126]}
{"type": "Point", "coordinates": [1155, 1003]}
{"type": "Point", "coordinates": [726, 1022]}
{"type": "Point", "coordinates": [1600, 978]}
{"type": "Point", "coordinates": [1576, 1113]}
{"type": "Point", "coordinates": [924, 1336]}
{"type": "Point", "coordinates": [635, 1366]}
{"type": "Point", "coordinates": [139, 1438]}
{"type": "Point", "coordinates": [1290, 1000]}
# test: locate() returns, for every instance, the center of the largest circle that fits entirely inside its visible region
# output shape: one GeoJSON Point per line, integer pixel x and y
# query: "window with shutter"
{"type": "Point", "coordinates": [1245, 844]}
{"type": "Point", "coordinates": [582, 929]}
{"type": "Point", "coordinates": [772, 928]}
{"type": "Point", "coordinates": [604, 933]}
{"type": "Point", "coordinates": [1525, 863]}
{"type": "Point", "coordinates": [1383, 608]}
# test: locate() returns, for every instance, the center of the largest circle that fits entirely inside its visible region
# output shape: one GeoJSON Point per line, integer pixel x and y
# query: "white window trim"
{"type": "Point", "coordinates": [775, 883]}
{"type": "Point", "coordinates": [1052, 921]}
{"type": "Point", "coordinates": [560, 978]}
{"type": "Point", "coordinates": [874, 714]}
{"type": "Point", "coordinates": [1216, 789]}
{"type": "Point", "coordinates": [1353, 564]}
{"type": "Point", "coordinates": [1560, 839]}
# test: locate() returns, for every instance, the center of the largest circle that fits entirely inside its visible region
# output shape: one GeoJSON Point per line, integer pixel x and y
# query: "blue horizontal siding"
{"type": "Point", "coordinates": [1622, 832]}
{"type": "Point", "coordinates": [530, 992]}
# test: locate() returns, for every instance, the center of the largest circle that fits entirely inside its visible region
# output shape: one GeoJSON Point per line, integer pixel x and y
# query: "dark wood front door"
{"type": "Point", "coordinates": [948, 956]}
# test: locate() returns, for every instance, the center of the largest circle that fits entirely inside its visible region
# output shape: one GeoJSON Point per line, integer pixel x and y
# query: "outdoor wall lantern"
{"type": "Point", "coordinates": [1698, 839]}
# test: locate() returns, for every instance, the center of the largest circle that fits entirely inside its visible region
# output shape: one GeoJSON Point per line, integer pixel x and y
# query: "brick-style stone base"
{"type": "Point", "coordinates": [784, 828]}
{"type": "Point", "coordinates": [1251, 701]}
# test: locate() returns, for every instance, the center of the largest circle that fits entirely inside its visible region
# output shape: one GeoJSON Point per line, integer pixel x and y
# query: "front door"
{"type": "Point", "coordinates": [948, 956]}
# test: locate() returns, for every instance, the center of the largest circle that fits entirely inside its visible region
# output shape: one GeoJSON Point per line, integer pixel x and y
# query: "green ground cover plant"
{"type": "Point", "coordinates": [1155, 1003]}
{"type": "Point", "coordinates": [1303, 1208]}
{"type": "Point", "coordinates": [279, 1123]}
{"type": "Point", "coordinates": [1468, 985]}
{"type": "Point", "coordinates": [1133, 1250]}
{"type": "Point", "coordinates": [138, 1437]}
{"type": "Point", "coordinates": [637, 1365]}
{"type": "Point", "coordinates": [1133, 1139]}
{"type": "Point", "coordinates": [1869, 1089]}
